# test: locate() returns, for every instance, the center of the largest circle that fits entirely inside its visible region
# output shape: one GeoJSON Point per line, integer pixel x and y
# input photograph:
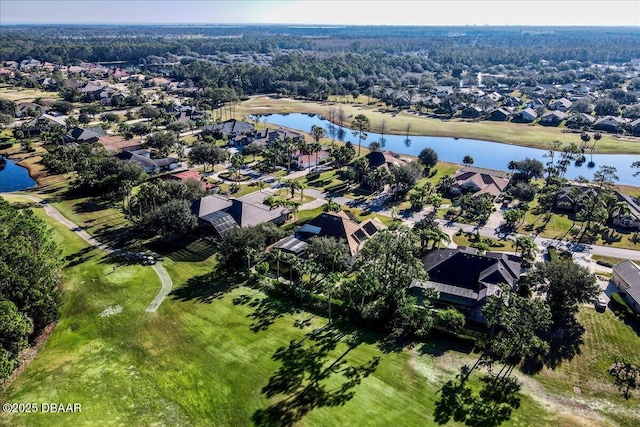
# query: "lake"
{"type": "Point", "coordinates": [486, 154]}
{"type": "Point", "coordinates": [14, 178]}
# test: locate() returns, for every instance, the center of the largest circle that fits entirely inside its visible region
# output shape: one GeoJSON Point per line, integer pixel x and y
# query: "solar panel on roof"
{"type": "Point", "coordinates": [370, 228]}
{"type": "Point", "coordinates": [360, 236]}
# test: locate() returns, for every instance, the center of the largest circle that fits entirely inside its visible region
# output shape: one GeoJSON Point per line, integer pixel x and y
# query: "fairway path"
{"type": "Point", "coordinates": [165, 279]}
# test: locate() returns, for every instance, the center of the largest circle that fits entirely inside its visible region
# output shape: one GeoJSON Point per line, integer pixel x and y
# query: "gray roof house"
{"type": "Point", "coordinates": [609, 124]}
{"type": "Point", "coordinates": [219, 214]}
{"type": "Point", "coordinates": [143, 158]}
{"type": "Point", "coordinates": [562, 104]}
{"type": "Point", "coordinates": [552, 118]}
{"type": "Point", "coordinates": [631, 217]}
{"type": "Point", "coordinates": [626, 276]}
{"type": "Point", "coordinates": [526, 115]}
{"type": "Point", "coordinates": [464, 278]}
{"type": "Point", "coordinates": [80, 135]}
{"type": "Point", "coordinates": [231, 128]}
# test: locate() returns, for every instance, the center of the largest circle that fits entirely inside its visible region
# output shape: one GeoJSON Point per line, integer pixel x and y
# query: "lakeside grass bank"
{"type": "Point", "coordinates": [527, 135]}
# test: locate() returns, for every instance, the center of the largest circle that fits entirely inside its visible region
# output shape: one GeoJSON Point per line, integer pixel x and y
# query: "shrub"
{"type": "Point", "coordinates": [604, 263]}
{"type": "Point", "coordinates": [620, 307]}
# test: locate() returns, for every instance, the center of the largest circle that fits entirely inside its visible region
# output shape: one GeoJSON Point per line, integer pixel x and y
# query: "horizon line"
{"type": "Point", "coordinates": [313, 25]}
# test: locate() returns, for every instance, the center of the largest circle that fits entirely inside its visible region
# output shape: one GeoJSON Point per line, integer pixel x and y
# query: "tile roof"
{"type": "Point", "coordinates": [485, 181]}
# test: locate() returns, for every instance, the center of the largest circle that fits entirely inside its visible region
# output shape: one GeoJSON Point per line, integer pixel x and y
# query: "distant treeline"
{"type": "Point", "coordinates": [482, 46]}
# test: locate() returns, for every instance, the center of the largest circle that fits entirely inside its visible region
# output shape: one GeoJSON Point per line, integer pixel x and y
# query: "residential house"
{"type": "Point", "coordinates": [28, 64]}
{"type": "Point", "coordinates": [634, 127]}
{"type": "Point", "coordinates": [552, 118]}
{"type": "Point", "coordinates": [219, 214]}
{"type": "Point", "coordinates": [337, 225]}
{"type": "Point", "coordinates": [471, 112]}
{"type": "Point", "coordinates": [579, 120]}
{"type": "Point", "coordinates": [264, 137]}
{"type": "Point", "coordinates": [630, 217]}
{"type": "Point", "coordinates": [158, 82]}
{"type": "Point", "coordinates": [187, 175]}
{"type": "Point", "coordinates": [442, 91]}
{"type": "Point", "coordinates": [143, 158]}
{"type": "Point", "coordinates": [117, 143]}
{"type": "Point", "coordinates": [30, 109]}
{"type": "Point", "coordinates": [384, 159]}
{"type": "Point", "coordinates": [511, 101]}
{"type": "Point", "coordinates": [480, 181]}
{"type": "Point", "coordinates": [81, 135]}
{"type": "Point", "coordinates": [562, 104]}
{"type": "Point", "coordinates": [304, 161]}
{"type": "Point", "coordinates": [535, 103]}
{"type": "Point", "coordinates": [571, 197]}
{"type": "Point", "coordinates": [44, 123]}
{"type": "Point", "coordinates": [118, 73]}
{"type": "Point", "coordinates": [499, 114]}
{"type": "Point", "coordinates": [626, 276]}
{"type": "Point", "coordinates": [611, 124]}
{"type": "Point", "coordinates": [465, 279]}
{"type": "Point", "coordinates": [230, 128]}
{"type": "Point", "coordinates": [527, 115]}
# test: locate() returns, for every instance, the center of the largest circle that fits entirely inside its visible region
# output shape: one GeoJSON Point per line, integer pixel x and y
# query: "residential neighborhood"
{"type": "Point", "coordinates": [405, 226]}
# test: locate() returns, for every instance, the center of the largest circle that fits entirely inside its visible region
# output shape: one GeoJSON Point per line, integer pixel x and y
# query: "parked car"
{"type": "Point", "coordinates": [601, 303]}
{"type": "Point", "coordinates": [146, 259]}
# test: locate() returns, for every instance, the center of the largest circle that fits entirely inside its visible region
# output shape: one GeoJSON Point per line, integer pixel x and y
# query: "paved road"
{"type": "Point", "coordinates": [165, 279]}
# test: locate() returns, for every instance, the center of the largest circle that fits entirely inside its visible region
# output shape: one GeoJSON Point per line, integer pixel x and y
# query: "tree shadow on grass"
{"type": "Point", "coordinates": [185, 249]}
{"type": "Point", "coordinates": [266, 310]}
{"type": "Point", "coordinates": [79, 257]}
{"type": "Point", "coordinates": [207, 287]}
{"type": "Point", "coordinates": [441, 343]}
{"type": "Point", "coordinates": [302, 381]}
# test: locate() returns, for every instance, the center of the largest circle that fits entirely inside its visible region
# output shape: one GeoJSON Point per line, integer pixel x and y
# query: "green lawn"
{"type": "Point", "coordinates": [466, 239]}
{"type": "Point", "coordinates": [560, 226]}
{"type": "Point", "coordinates": [204, 356]}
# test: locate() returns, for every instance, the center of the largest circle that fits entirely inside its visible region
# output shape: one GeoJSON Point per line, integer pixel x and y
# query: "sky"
{"type": "Point", "coordinates": [328, 12]}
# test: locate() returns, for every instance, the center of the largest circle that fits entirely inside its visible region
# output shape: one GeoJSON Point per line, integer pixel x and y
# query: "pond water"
{"type": "Point", "coordinates": [486, 154]}
{"type": "Point", "coordinates": [14, 177]}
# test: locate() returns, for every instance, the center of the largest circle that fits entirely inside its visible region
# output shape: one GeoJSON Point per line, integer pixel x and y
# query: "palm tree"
{"type": "Point", "coordinates": [278, 255]}
{"type": "Point", "coordinates": [331, 206]}
{"type": "Point", "coordinates": [294, 207]}
{"type": "Point", "coordinates": [467, 160]}
{"type": "Point", "coordinates": [301, 187]}
{"type": "Point", "coordinates": [261, 185]}
{"type": "Point", "coordinates": [528, 248]}
{"type": "Point", "coordinates": [439, 236]}
{"type": "Point", "coordinates": [445, 183]}
{"type": "Point", "coordinates": [331, 283]}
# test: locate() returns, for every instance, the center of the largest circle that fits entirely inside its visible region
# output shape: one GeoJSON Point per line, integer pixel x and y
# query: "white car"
{"type": "Point", "coordinates": [601, 303]}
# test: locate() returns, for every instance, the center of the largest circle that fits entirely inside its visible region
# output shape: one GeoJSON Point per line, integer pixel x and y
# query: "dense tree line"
{"type": "Point", "coordinates": [449, 45]}
{"type": "Point", "coordinates": [30, 271]}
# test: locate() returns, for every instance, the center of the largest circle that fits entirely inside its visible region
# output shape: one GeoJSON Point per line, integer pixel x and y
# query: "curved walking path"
{"type": "Point", "coordinates": [165, 279]}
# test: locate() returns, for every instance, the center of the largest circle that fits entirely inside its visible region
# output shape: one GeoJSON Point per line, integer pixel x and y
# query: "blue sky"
{"type": "Point", "coordinates": [354, 12]}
